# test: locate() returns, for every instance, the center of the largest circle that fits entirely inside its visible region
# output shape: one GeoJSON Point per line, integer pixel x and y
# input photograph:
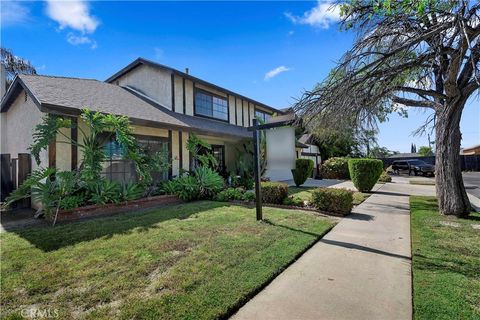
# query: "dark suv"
{"type": "Point", "coordinates": [415, 166]}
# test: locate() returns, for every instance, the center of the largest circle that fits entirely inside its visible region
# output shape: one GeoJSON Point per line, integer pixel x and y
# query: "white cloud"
{"type": "Point", "coordinates": [275, 72]}
{"type": "Point", "coordinates": [79, 40]}
{"type": "Point", "coordinates": [322, 15]}
{"type": "Point", "coordinates": [74, 14]}
{"type": "Point", "coordinates": [12, 13]}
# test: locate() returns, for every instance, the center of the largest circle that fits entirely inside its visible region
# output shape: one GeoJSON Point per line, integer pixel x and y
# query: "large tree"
{"type": "Point", "coordinates": [14, 65]}
{"type": "Point", "coordinates": [407, 53]}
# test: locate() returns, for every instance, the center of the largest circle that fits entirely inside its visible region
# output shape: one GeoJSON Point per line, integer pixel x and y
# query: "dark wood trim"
{"type": "Point", "coordinates": [236, 112]}
{"type": "Point", "coordinates": [184, 96]}
{"type": "Point", "coordinates": [74, 137]}
{"type": "Point", "coordinates": [180, 151]}
{"type": "Point", "coordinates": [52, 153]}
{"type": "Point", "coordinates": [173, 92]}
{"type": "Point", "coordinates": [170, 153]}
{"type": "Point", "coordinates": [243, 115]}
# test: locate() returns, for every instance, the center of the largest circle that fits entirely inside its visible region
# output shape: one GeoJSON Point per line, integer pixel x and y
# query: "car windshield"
{"type": "Point", "coordinates": [416, 162]}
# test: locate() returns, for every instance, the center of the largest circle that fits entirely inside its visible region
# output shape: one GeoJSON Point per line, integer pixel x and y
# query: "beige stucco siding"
{"type": "Point", "coordinates": [155, 83]}
{"type": "Point", "coordinates": [231, 110]}
{"type": "Point", "coordinates": [150, 131]}
{"type": "Point", "coordinates": [185, 152]}
{"type": "Point", "coordinates": [245, 114]}
{"type": "Point", "coordinates": [211, 90]}
{"type": "Point", "coordinates": [175, 153]}
{"type": "Point", "coordinates": [178, 94]}
{"type": "Point", "coordinates": [17, 127]}
{"type": "Point", "coordinates": [252, 113]}
{"type": "Point", "coordinates": [63, 150]}
{"type": "Point", "coordinates": [189, 97]}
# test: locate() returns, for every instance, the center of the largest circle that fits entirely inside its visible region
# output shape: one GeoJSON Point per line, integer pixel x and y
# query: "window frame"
{"type": "Point", "coordinates": [265, 113]}
{"type": "Point", "coordinates": [195, 113]}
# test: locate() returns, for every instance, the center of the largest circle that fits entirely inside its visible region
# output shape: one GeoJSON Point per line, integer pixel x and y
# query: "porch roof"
{"type": "Point", "coordinates": [69, 96]}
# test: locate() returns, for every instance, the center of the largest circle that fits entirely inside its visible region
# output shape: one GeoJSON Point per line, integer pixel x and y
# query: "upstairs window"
{"type": "Point", "coordinates": [211, 106]}
{"type": "Point", "coordinates": [263, 116]}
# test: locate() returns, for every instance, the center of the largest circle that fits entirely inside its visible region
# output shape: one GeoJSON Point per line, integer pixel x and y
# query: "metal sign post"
{"type": "Point", "coordinates": [256, 169]}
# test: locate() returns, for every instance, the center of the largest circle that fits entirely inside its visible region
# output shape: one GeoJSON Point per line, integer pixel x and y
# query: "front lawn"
{"type": "Point", "coordinates": [446, 263]}
{"type": "Point", "coordinates": [305, 194]}
{"type": "Point", "coordinates": [193, 261]}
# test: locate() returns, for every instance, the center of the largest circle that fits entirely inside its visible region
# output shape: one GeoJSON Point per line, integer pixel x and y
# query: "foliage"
{"type": "Point", "coordinates": [380, 152]}
{"type": "Point", "coordinates": [131, 191]}
{"type": "Point", "coordinates": [425, 151]}
{"type": "Point", "coordinates": [303, 170]}
{"type": "Point", "coordinates": [168, 186]}
{"type": "Point", "coordinates": [385, 177]}
{"type": "Point", "coordinates": [333, 200]}
{"type": "Point", "coordinates": [104, 191]}
{"type": "Point", "coordinates": [293, 201]}
{"type": "Point", "coordinates": [244, 165]}
{"type": "Point", "coordinates": [185, 187]}
{"type": "Point", "coordinates": [201, 152]}
{"type": "Point", "coordinates": [249, 196]}
{"type": "Point", "coordinates": [335, 168]}
{"type": "Point", "coordinates": [274, 192]}
{"type": "Point", "coordinates": [209, 182]}
{"type": "Point", "coordinates": [24, 190]}
{"type": "Point", "coordinates": [229, 194]}
{"type": "Point", "coordinates": [365, 173]}
{"type": "Point", "coordinates": [445, 263]}
{"type": "Point", "coordinates": [14, 65]}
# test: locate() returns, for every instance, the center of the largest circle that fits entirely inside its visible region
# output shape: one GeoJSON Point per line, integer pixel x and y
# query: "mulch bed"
{"type": "Point", "coordinates": [114, 208]}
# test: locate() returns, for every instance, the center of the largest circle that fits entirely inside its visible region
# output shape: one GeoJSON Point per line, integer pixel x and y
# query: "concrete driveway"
{"type": "Point", "coordinates": [472, 183]}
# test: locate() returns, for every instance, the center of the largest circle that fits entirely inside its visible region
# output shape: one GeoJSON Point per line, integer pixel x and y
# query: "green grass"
{"type": "Point", "coordinates": [446, 263]}
{"type": "Point", "coordinates": [193, 261]}
{"type": "Point", "coordinates": [422, 182]}
{"type": "Point", "coordinates": [305, 193]}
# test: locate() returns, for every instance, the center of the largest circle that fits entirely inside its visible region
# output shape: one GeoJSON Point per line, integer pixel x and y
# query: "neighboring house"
{"type": "Point", "coordinates": [164, 105]}
{"type": "Point", "coordinates": [473, 150]}
{"type": "Point", "coordinates": [404, 155]}
{"type": "Point", "coordinates": [307, 149]}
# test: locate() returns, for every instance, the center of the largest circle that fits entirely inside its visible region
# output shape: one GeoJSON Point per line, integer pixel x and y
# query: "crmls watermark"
{"type": "Point", "coordinates": [40, 313]}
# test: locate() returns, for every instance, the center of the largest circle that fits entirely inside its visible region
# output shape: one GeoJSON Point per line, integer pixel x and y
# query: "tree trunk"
{"type": "Point", "coordinates": [451, 194]}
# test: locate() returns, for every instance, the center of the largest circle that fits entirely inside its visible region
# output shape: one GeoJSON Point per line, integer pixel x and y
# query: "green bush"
{"type": "Point", "coordinates": [293, 201]}
{"type": "Point", "coordinates": [131, 191]}
{"type": "Point", "coordinates": [209, 182]}
{"type": "Point", "coordinates": [274, 192]}
{"type": "Point", "coordinates": [335, 168]}
{"type": "Point", "coordinates": [229, 194]}
{"type": "Point", "coordinates": [104, 191]}
{"type": "Point", "coordinates": [365, 173]}
{"type": "Point", "coordinates": [186, 188]}
{"type": "Point", "coordinates": [333, 200]}
{"type": "Point", "coordinates": [303, 170]}
{"type": "Point", "coordinates": [249, 196]}
{"type": "Point", "coordinates": [385, 177]}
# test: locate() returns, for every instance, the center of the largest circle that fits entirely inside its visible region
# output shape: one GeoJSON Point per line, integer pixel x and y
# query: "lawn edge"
{"type": "Point", "coordinates": [235, 308]}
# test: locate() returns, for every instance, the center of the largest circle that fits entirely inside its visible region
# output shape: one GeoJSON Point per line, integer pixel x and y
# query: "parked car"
{"type": "Point", "coordinates": [415, 166]}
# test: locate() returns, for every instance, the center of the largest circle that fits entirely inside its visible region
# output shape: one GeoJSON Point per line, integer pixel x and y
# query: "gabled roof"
{"type": "Point", "coordinates": [306, 138]}
{"type": "Point", "coordinates": [70, 95]}
{"type": "Point", "coordinates": [142, 61]}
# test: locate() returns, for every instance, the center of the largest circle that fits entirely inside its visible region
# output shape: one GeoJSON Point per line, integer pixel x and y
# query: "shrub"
{"type": "Point", "coordinates": [303, 170]}
{"type": "Point", "coordinates": [186, 188]}
{"type": "Point", "coordinates": [131, 191]}
{"type": "Point", "coordinates": [104, 191]}
{"type": "Point", "coordinates": [335, 168]}
{"type": "Point", "coordinates": [274, 192]}
{"type": "Point", "coordinates": [293, 201]}
{"type": "Point", "coordinates": [209, 182]}
{"type": "Point", "coordinates": [385, 177]}
{"type": "Point", "coordinates": [249, 196]}
{"type": "Point", "coordinates": [333, 200]}
{"type": "Point", "coordinates": [365, 173]}
{"type": "Point", "coordinates": [229, 194]}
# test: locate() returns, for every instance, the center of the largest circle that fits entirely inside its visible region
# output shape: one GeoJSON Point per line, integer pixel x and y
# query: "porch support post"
{"type": "Point", "coordinates": [256, 161]}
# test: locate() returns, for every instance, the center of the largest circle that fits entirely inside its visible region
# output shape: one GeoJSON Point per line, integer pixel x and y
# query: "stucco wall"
{"type": "Point", "coordinates": [189, 97]}
{"type": "Point", "coordinates": [155, 83]}
{"type": "Point", "coordinates": [17, 128]}
{"type": "Point", "coordinates": [178, 94]}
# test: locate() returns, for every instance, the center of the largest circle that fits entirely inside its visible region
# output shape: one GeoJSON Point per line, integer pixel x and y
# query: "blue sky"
{"type": "Point", "coordinates": [270, 51]}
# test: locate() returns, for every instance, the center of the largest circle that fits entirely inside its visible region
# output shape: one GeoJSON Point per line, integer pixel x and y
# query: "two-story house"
{"type": "Point", "coordinates": [164, 105]}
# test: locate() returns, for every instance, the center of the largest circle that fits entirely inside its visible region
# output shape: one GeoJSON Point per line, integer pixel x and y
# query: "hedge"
{"type": "Point", "coordinates": [385, 177]}
{"type": "Point", "coordinates": [365, 173]}
{"type": "Point", "coordinates": [274, 192]}
{"type": "Point", "coordinates": [335, 168]}
{"type": "Point", "coordinates": [333, 200]}
{"type": "Point", "coordinates": [303, 170]}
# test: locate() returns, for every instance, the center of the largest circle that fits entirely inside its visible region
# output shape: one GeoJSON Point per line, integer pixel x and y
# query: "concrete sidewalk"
{"type": "Point", "coordinates": [360, 270]}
